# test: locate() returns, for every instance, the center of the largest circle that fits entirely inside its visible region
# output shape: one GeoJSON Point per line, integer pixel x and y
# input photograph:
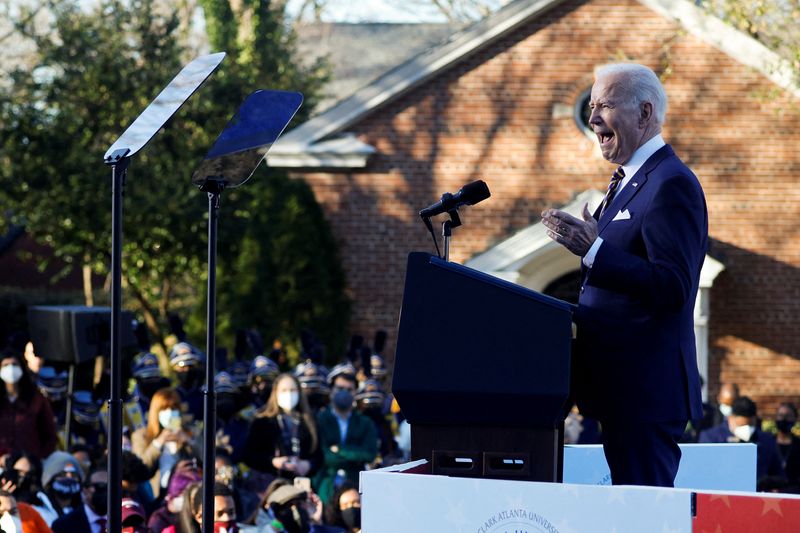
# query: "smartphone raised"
{"type": "Point", "coordinates": [303, 483]}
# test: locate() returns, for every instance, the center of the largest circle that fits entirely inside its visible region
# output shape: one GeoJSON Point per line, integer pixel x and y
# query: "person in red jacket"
{"type": "Point", "coordinates": [19, 516]}
{"type": "Point", "coordinates": [25, 415]}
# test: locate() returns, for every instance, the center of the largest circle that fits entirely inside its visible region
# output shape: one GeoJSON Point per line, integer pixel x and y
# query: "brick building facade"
{"type": "Point", "coordinates": [497, 103]}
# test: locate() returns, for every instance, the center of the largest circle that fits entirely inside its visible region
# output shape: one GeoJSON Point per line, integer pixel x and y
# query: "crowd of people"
{"type": "Point", "coordinates": [290, 444]}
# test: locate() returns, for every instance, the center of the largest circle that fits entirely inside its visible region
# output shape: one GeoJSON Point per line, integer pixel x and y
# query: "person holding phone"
{"type": "Point", "coordinates": [22, 477]}
{"type": "Point", "coordinates": [158, 443]}
{"type": "Point", "coordinates": [286, 429]}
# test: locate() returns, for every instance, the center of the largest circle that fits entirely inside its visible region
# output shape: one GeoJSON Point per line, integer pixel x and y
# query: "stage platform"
{"type": "Point", "coordinates": [406, 498]}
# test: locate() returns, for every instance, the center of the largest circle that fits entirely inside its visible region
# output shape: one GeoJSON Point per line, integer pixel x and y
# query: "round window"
{"type": "Point", "coordinates": [583, 113]}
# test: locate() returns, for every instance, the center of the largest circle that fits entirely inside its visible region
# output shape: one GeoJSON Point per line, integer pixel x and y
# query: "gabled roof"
{"type": "Point", "coordinates": [291, 149]}
{"type": "Point", "coordinates": [380, 46]}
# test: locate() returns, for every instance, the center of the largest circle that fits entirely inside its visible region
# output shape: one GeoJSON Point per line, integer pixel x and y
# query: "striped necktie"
{"type": "Point", "coordinates": [613, 185]}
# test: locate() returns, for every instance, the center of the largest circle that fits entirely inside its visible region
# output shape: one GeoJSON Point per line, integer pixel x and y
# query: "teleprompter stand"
{"type": "Point", "coordinates": [236, 154]}
{"type": "Point", "coordinates": [482, 372]}
{"type": "Point", "coordinates": [118, 157]}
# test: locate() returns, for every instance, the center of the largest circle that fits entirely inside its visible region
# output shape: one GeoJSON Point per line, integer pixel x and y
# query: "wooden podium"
{"type": "Point", "coordinates": [482, 372]}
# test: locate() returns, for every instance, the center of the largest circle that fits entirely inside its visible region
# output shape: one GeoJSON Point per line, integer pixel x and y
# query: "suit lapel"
{"type": "Point", "coordinates": [636, 184]}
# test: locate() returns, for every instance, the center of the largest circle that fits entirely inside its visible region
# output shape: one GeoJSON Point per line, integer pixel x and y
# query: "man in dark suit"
{"type": "Point", "coordinates": [634, 366]}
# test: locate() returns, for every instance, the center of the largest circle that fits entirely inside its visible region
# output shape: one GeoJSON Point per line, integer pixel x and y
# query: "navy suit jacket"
{"type": "Point", "coordinates": [634, 357]}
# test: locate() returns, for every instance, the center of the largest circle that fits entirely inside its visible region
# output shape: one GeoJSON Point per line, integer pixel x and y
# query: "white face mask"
{"type": "Point", "coordinates": [743, 433]}
{"type": "Point", "coordinates": [287, 400]}
{"type": "Point", "coordinates": [726, 410]}
{"type": "Point", "coordinates": [177, 504]}
{"type": "Point", "coordinates": [11, 373]}
{"type": "Point", "coordinates": [170, 419]}
{"type": "Point", "coordinates": [10, 523]}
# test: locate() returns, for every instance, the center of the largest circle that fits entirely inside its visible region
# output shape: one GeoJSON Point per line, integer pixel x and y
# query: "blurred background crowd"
{"type": "Point", "coordinates": [291, 438]}
{"type": "Point", "coordinates": [290, 441]}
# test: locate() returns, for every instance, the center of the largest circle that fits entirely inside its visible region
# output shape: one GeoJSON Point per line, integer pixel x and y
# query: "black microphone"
{"type": "Point", "coordinates": [469, 194]}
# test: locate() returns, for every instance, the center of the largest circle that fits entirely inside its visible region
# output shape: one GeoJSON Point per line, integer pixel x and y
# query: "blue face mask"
{"type": "Point", "coordinates": [343, 399]}
{"type": "Point", "coordinates": [66, 486]}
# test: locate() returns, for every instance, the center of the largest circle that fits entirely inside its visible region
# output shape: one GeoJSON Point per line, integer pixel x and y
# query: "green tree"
{"type": "Point", "coordinates": [96, 69]}
{"type": "Point", "coordinates": [282, 274]}
{"type": "Point", "coordinates": [278, 266]}
{"type": "Point", "coordinates": [775, 23]}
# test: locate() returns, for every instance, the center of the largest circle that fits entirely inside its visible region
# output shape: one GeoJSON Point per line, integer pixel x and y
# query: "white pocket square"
{"type": "Point", "coordinates": [621, 215]}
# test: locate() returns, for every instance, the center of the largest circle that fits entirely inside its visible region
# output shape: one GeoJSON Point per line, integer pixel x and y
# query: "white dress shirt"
{"type": "Point", "coordinates": [639, 158]}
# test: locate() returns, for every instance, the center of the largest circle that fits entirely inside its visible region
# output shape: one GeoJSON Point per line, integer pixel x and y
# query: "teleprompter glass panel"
{"type": "Point", "coordinates": [247, 138]}
{"type": "Point", "coordinates": [169, 100]}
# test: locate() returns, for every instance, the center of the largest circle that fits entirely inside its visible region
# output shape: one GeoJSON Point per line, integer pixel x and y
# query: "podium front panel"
{"type": "Point", "coordinates": [475, 349]}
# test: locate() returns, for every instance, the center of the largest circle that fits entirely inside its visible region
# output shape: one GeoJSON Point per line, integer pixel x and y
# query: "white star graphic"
{"type": "Point", "coordinates": [455, 514]}
{"type": "Point", "coordinates": [772, 505]}
{"type": "Point", "coordinates": [667, 494]}
{"type": "Point", "coordinates": [571, 489]}
{"type": "Point", "coordinates": [515, 502]}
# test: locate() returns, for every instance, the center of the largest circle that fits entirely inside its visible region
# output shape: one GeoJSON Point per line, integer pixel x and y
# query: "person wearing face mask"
{"type": "Point", "coordinates": [348, 439]}
{"type": "Point", "coordinates": [188, 364]}
{"type": "Point", "coordinates": [345, 508]}
{"type": "Point", "coordinates": [91, 516]}
{"type": "Point", "coordinates": [728, 392]}
{"type": "Point", "coordinates": [62, 478]}
{"type": "Point", "coordinates": [19, 517]}
{"type": "Point", "coordinates": [22, 477]}
{"type": "Point", "coordinates": [283, 437]}
{"type": "Point", "coordinates": [788, 444]}
{"type": "Point", "coordinates": [25, 415]}
{"type": "Point", "coordinates": [158, 444]}
{"type": "Point", "coordinates": [742, 426]}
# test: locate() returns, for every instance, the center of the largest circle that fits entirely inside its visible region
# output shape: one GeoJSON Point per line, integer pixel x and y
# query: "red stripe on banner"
{"type": "Point", "coordinates": [723, 513]}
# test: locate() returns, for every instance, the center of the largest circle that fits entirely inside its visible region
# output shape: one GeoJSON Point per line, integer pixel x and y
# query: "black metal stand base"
{"type": "Point", "coordinates": [523, 454]}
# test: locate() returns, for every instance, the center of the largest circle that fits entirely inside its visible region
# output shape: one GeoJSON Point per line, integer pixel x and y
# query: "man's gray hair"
{"type": "Point", "coordinates": [644, 85]}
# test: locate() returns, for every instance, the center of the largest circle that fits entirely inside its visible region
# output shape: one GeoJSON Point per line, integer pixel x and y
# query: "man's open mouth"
{"type": "Point", "coordinates": [605, 138]}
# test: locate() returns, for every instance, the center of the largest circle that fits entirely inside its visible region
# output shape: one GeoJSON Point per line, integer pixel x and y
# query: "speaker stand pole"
{"type": "Point", "coordinates": [119, 167]}
{"type": "Point", "coordinates": [214, 189]}
{"type": "Point", "coordinates": [68, 415]}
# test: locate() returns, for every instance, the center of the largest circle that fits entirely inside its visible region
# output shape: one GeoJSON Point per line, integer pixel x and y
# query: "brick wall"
{"type": "Point", "coordinates": [491, 117]}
